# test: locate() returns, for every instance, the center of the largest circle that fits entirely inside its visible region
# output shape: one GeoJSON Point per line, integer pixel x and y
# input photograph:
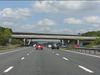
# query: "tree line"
{"type": "Point", "coordinates": [93, 33]}
{"type": "Point", "coordinates": [5, 34]}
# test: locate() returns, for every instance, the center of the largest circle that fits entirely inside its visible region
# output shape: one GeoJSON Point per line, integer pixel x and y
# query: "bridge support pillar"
{"type": "Point", "coordinates": [62, 42]}
{"type": "Point", "coordinates": [81, 44]}
{"type": "Point", "coordinates": [10, 40]}
{"type": "Point", "coordinates": [29, 42]}
{"type": "Point", "coordinates": [24, 41]}
{"type": "Point", "coordinates": [78, 42]}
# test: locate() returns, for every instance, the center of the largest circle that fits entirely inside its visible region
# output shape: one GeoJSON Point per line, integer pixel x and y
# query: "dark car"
{"type": "Point", "coordinates": [55, 46]}
{"type": "Point", "coordinates": [39, 46]}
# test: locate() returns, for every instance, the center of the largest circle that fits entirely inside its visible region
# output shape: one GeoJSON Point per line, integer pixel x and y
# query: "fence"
{"type": "Point", "coordinates": [87, 50]}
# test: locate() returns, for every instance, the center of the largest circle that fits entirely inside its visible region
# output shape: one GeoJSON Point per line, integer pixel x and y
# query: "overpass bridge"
{"type": "Point", "coordinates": [63, 37]}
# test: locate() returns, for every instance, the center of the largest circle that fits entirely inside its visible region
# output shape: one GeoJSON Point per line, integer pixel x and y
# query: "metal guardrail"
{"type": "Point", "coordinates": [87, 50]}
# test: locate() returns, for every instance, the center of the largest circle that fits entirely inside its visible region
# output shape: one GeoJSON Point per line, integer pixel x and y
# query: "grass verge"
{"type": "Point", "coordinates": [9, 47]}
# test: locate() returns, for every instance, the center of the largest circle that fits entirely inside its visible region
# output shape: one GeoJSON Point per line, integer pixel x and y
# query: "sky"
{"type": "Point", "coordinates": [59, 17]}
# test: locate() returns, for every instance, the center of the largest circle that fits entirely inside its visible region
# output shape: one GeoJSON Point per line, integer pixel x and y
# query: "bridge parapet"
{"type": "Point", "coordinates": [53, 37]}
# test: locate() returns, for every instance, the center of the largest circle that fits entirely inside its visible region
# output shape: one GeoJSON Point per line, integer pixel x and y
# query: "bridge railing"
{"type": "Point", "coordinates": [87, 50]}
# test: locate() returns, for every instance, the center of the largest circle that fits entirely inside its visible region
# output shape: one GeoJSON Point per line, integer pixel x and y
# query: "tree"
{"type": "Point", "coordinates": [97, 41]}
{"type": "Point", "coordinates": [92, 33]}
{"type": "Point", "coordinates": [17, 41]}
{"type": "Point", "coordinates": [5, 34]}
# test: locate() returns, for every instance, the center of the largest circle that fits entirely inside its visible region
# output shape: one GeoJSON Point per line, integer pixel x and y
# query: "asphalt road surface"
{"type": "Point", "coordinates": [28, 61]}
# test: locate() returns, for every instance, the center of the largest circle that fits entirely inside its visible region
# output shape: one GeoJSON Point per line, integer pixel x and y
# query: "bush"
{"type": "Point", "coordinates": [5, 34]}
{"type": "Point", "coordinates": [16, 41]}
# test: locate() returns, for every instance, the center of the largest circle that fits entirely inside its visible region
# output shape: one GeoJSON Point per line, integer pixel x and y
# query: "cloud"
{"type": "Point", "coordinates": [92, 19]}
{"type": "Point", "coordinates": [27, 27]}
{"type": "Point", "coordinates": [17, 13]}
{"type": "Point", "coordinates": [45, 29]}
{"type": "Point", "coordinates": [62, 31]}
{"type": "Point", "coordinates": [69, 4]}
{"type": "Point", "coordinates": [96, 25]}
{"type": "Point", "coordinates": [24, 28]}
{"type": "Point", "coordinates": [45, 6]}
{"type": "Point", "coordinates": [7, 24]}
{"type": "Point", "coordinates": [83, 13]}
{"type": "Point", "coordinates": [56, 6]}
{"type": "Point", "coordinates": [46, 23]}
{"type": "Point", "coordinates": [68, 7]}
{"type": "Point", "coordinates": [72, 21]}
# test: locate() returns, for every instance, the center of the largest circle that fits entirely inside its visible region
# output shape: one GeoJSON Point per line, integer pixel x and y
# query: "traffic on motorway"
{"type": "Point", "coordinates": [49, 37]}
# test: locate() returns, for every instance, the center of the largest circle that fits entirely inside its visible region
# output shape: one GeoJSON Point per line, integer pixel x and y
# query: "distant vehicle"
{"type": "Point", "coordinates": [39, 46]}
{"type": "Point", "coordinates": [49, 46]}
{"type": "Point", "coordinates": [55, 46]}
{"type": "Point", "coordinates": [34, 45]}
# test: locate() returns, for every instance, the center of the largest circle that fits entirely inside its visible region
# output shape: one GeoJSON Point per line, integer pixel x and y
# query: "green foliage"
{"type": "Point", "coordinates": [94, 43]}
{"type": "Point", "coordinates": [16, 41]}
{"type": "Point", "coordinates": [92, 33]}
{"type": "Point", "coordinates": [97, 41]}
{"type": "Point", "coordinates": [5, 34]}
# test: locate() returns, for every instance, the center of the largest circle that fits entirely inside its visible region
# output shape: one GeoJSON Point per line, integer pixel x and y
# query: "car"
{"type": "Point", "coordinates": [55, 46]}
{"type": "Point", "coordinates": [39, 47]}
{"type": "Point", "coordinates": [34, 45]}
{"type": "Point", "coordinates": [49, 46]}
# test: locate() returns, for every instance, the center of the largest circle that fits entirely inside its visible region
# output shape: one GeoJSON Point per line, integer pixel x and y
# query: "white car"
{"type": "Point", "coordinates": [34, 45]}
{"type": "Point", "coordinates": [49, 46]}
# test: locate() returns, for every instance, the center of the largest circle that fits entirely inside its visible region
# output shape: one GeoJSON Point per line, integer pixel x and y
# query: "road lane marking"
{"type": "Point", "coordinates": [65, 58]}
{"type": "Point", "coordinates": [22, 58]}
{"type": "Point", "coordinates": [57, 54]}
{"type": "Point", "coordinates": [21, 49]}
{"type": "Point", "coordinates": [88, 70]}
{"type": "Point", "coordinates": [8, 69]}
{"type": "Point", "coordinates": [27, 53]}
{"type": "Point", "coordinates": [10, 52]}
{"type": "Point", "coordinates": [82, 53]}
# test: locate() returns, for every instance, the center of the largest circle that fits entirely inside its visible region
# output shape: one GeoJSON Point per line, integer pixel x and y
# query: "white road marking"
{"type": "Point", "coordinates": [65, 58]}
{"type": "Point", "coordinates": [22, 58]}
{"type": "Point", "coordinates": [82, 53]}
{"type": "Point", "coordinates": [88, 70]}
{"type": "Point", "coordinates": [8, 69]}
{"type": "Point", "coordinates": [9, 52]}
{"type": "Point", "coordinates": [27, 53]}
{"type": "Point", "coordinates": [57, 54]}
{"type": "Point", "coordinates": [1, 53]}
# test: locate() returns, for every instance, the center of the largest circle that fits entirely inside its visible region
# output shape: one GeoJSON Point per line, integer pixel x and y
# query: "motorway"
{"type": "Point", "coordinates": [28, 61]}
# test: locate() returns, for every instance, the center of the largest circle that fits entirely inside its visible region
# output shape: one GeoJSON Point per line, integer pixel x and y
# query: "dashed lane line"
{"type": "Point", "coordinates": [27, 54]}
{"type": "Point", "coordinates": [65, 58]}
{"type": "Point", "coordinates": [86, 69]}
{"type": "Point", "coordinates": [8, 69]}
{"type": "Point", "coordinates": [57, 54]}
{"type": "Point", "coordinates": [22, 58]}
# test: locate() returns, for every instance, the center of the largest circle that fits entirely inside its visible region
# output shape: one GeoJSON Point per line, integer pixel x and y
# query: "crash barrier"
{"type": "Point", "coordinates": [87, 50]}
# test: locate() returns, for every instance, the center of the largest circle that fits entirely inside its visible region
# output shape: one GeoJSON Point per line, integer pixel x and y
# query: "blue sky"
{"type": "Point", "coordinates": [64, 17]}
